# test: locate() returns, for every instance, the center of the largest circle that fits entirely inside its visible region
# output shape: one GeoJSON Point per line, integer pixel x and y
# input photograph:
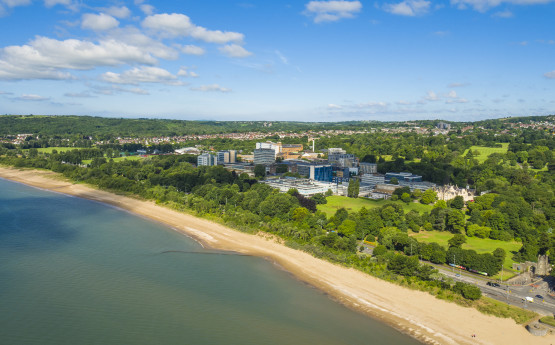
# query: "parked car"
{"type": "Point", "coordinates": [492, 284]}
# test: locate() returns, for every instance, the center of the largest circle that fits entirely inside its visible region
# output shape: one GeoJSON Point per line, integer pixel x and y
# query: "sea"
{"type": "Point", "coordinates": [75, 271]}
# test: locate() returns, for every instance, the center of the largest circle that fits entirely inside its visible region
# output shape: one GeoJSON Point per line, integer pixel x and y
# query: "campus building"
{"type": "Point", "coordinates": [403, 176]}
{"type": "Point", "coordinates": [368, 168]}
{"type": "Point", "coordinates": [225, 157]}
{"type": "Point", "coordinates": [207, 159]}
{"type": "Point", "coordinates": [264, 156]}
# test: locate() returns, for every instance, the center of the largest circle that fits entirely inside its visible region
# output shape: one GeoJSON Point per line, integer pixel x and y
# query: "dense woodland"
{"type": "Point", "coordinates": [518, 201]}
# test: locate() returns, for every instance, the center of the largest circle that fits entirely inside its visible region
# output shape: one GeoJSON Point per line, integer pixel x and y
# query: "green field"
{"type": "Point", "coordinates": [486, 151]}
{"type": "Point", "coordinates": [59, 149]}
{"type": "Point", "coordinates": [118, 159]}
{"type": "Point", "coordinates": [335, 202]}
{"type": "Point", "coordinates": [480, 245]}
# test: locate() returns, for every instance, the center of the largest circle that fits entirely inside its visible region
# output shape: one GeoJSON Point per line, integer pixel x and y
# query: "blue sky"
{"type": "Point", "coordinates": [279, 60]}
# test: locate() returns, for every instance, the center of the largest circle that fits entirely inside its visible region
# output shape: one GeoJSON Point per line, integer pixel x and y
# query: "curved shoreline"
{"type": "Point", "coordinates": [415, 313]}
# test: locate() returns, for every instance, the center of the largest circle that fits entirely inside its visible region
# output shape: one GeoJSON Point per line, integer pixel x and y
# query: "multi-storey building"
{"type": "Point", "coordinates": [207, 159]}
{"type": "Point", "coordinates": [368, 168]}
{"type": "Point", "coordinates": [264, 156]}
{"type": "Point", "coordinates": [225, 157]}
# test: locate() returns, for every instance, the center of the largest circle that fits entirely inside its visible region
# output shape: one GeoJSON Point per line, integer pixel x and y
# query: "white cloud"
{"type": "Point", "coordinates": [484, 5]}
{"type": "Point", "coordinates": [134, 37]}
{"type": "Point", "coordinates": [331, 11]}
{"type": "Point", "coordinates": [147, 9]}
{"type": "Point", "coordinates": [137, 91]}
{"type": "Point", "coordinates": [234, 50]}
{"type": "Point", "coordinates": [183, 72]}
{"type": "Point", "coordinates": [143, 74]}
{"type": "Point", "coordinates": [431, 96]}
{"type": "Point", "coordinates": [452, 94]}
{"type": "Point", "coordinates": [550, 75]}
{"type": "Point", "coordinates": [193, 50]}
{"type": "Point", "coordinates": [15, 3]}
{"type": "Point", "coordinates": [282, 57]}
{"type": "Point", "coordinates": [83, 94]}
{"type": "Point", "coordinates": [176, 24]}
{"type": "Point", "coordinates": [208, 88]}
{"type": "Point", "coordinates": [52, 3]}
{"type": "Point", "coordinates": [456, 100]}
{"type": "Point", "coordinates": [332, 106]}
{"type": "Point", "coordinates": [98, 22]}
{"type": "Point", "coordinates": [372, 105]}
{"type": "Point", "coordinates": [46, 58]}
{"type": "Point", "coordinates": [32, 97]}
{"type": "Point", "coordinates": [442, 33]}
{"type": "Point", "coordinates": [402, 102]}
{"type": "Point", "coordinates": [503, 14]}
{"type": "Point", "coordinates": [118, 12]}
{"type": "Point", "coordinates": [409, 8]}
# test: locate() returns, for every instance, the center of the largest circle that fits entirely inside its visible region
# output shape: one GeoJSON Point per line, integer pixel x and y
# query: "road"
{"type": "Point", "coordinates": [513, 295]}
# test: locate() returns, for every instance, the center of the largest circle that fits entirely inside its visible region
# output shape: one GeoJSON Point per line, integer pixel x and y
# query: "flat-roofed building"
{"type": "Point", "coordinates": [368, 168]}
{"type": "Point", "coordinates": [372, 179]}
{"type": "Point", "coordinates": [207, 159]}
{"type": "Point", "coordinates": [276, 147]}
{"type": "Point", "coordinates": [386, 188]}
{"type": "Point", "coordinates": [290, 148]}
{"type": "Point", "coordinates": [264, 156]}
{"type": "Point", "coordinates": [225, 157]}
{"type": "Point", "coordinates": [403, 176]}
{"type": "Point", "coordinates": [343, 160]}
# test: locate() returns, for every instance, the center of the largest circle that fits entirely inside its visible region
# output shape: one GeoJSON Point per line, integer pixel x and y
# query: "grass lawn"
{"type": "Point", "coordinates": [480, 245]}
{"type": "Point", "coordinates": [335, 202]}
{"type": "Point", "coordinates": [118, 159]}
{"type": "Point", "coordinates": [59, 149]}
{"type": "Point", "coordinates": [486, 151]}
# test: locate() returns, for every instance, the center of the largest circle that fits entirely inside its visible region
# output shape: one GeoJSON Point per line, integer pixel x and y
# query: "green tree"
{"type": "Point", "coordinates": [429, 196]}
{"type": "Point", "coordinates": [259, 170]}
{"type": "Point", "coordinates": [457, 202]}
{"type": "Point", "coordinates": [457, 241]}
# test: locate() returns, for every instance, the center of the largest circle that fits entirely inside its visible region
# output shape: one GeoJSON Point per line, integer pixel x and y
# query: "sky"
{"type": "Point", "coordinates": [299, 60]}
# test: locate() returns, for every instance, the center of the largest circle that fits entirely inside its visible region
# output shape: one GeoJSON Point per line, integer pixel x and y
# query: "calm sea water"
{"type": "Point", "coordinates": [73, 271]}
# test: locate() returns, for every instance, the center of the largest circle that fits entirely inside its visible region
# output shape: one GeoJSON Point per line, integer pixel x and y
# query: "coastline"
{"type": "Point", "coordinates": [413, 312]}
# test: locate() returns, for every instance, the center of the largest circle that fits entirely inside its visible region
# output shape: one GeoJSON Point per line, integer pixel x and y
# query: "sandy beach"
{"type": "Point", "coordinates": [416, 313]}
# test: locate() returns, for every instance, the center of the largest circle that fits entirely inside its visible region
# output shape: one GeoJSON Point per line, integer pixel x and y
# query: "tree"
{"type": "Point", "coordinates": [455, 221]}
{"type": "Point", "coordinates": [353, 188]}
{"type": "Point", "coordinates": [347, 228]}
{"type": "Point", "coordinates": [319, 198]}
{"type": "Point", "coordinates": [457, 241]}
{"type": "Point", "coordinates": [406, 198]}
{"type": "Point", "coordinates": [394, 180]}
{"type": "Point", "coordinates": [457, 202]}
{"type": "Point", "coordinates": [259, 170]}
{"type": "Point", "coordinates": [428, 197]}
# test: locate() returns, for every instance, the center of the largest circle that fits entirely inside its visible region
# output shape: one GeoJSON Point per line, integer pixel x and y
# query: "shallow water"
{"type": "Point", "coordinates": [74, 271]}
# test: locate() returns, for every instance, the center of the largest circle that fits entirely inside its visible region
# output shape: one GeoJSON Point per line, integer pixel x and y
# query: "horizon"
{"type": "Point", "coordinates": [319, 61]}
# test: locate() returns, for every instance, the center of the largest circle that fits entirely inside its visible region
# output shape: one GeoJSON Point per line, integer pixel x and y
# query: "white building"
{"type": "Point", "coordinates": [270, 146]}
{"type": "Point", "coordinates": [207, 159]}
{"type": "Point", "coordinates": [264, 156]}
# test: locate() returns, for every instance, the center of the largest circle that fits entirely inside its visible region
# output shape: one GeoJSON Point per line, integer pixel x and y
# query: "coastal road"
{"type": "Point", "coordinates": [512, 295]}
